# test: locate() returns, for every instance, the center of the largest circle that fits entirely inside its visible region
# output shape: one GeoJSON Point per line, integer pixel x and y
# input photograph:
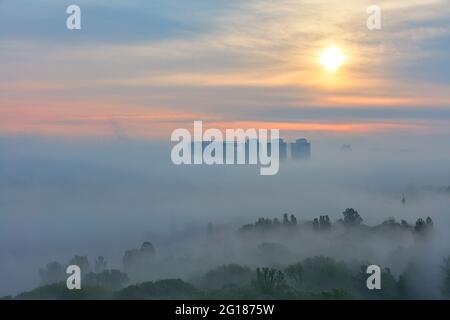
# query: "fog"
{"type": "Point", "coordinates": [62, 197]}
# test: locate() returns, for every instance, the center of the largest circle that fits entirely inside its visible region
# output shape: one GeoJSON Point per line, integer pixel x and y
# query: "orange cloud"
{"type": "Point", "coordinates": [314, 127]}
{"type": "Point", "coordinates": [108, 120]}
{"type": "Point", "coordinates": [56, 119]}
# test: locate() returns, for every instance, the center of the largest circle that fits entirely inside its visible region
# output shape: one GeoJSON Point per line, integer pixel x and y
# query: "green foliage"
{"type": "Point", "coordinates": [53, 272]}
{"type": "Point", "coordinates": [313, 278]}
{"type": "Point", "coordinates": [100, 264]}
{"type": "Point", "coordinates": [295, 274]}
{"type": "Point", "coordinates": [234, 292]}
{"type": "Point", "coordinates": [171, 289]}
{"type": "Point", "coordinates": [59, 291]}
{"type": "Point", "coordinates": [323, 223]}
{"type": "Point", "coordinates": [111, 279]}
{"type": "Point", "coordinates": [336, 294]}
{"type": "Point", "coordinates": [269, 281]}
{"type": "Point", "coordinates": [252, 293]}
{"type": "Point", "coordinates": [323, 273]}
{"type": "Point", "coordinates": [409, 282]}
{"type": "Point", "coordinates": [265, 224]}
{"type": "Point", "coordinates": [137, 261]}
{"type": "Point", "coordinates": [227, 275]}
{"type": "Point", "coordinates": [423, 227]}
{"type": "Point", "coordinates": [352, 217]}
{"type": "Point", "coordinates": [445, 269]}
{"type": "Point", "coordinates": [82, 262]}
{"type": "Point", "coordinates": [391, 289]}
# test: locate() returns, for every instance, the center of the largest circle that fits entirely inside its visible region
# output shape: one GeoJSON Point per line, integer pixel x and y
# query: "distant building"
{"type": "Point", "coordinates": [283, 149]}
{"type": "Point", "coordinates": [301, 149]}
{"type": "Point", "coordinates": [254, 147]}
{"type": "Point", "coordinates": [233, 147]}
{"type": "Point", "coordinates": [201, 145]}
{"type": "Point", "coordinates": [248, 146]}
{"type": "Point", "coordinates": [346, 148]}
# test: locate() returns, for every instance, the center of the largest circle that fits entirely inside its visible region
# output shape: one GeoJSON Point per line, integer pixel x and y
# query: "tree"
{"type": "Point", "coordinates": [295, 273]}
{"type": "Point", "coordinates": [390, 287]}
{"type": "Point", "coordinates": [263, 224]}
{"type": "Point", "coordinates": [325, 273]}
{"type": "Point", "coordinates": [445, 269]}
{"type": "Point", "coordinates": [58, 291]}
{"type": "Point", "coordinates": [227, 275]}
{"type": "Point", "coordinates": [129, 259]}
{"type": "Point", "coordinates": [420, 225]}
{"type": "Point", "coordinates": [285, 219]}
{"type": "Point", "coordinates": [171, 289]}
{"type": "Point", "coordinates": [293, 220]}
{"type": "Point", "coordinates": [269, 280]}
{"type": "Point", "coordinates": [111, 279]}
{"type": "Point", "coordinates": [423, 227]}
{"type": "Point", "coordinates": [335, 294]}
{"type": "Point", "coordinates": [352, 217]}
{"type": "Point", "coordinates": [138, 262]}
{"type": "Point", "coordinates": [82, 262]}
{"type": "Point", "coordinates": [324, 222]}
{"type": "Point", "coordinates": [100, 264]}
{"type": "Point", "coordinates": [53, 272]}
{"type": "Point", "coordinates": [316, 224]}
{"type": "Point", "coordinates": [147, 249]}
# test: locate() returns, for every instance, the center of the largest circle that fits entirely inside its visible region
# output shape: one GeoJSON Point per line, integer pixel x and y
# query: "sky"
{"type": "Point", "coordinates": [143, 68]}
{"type": "Point", "coordinates": [78, 108]}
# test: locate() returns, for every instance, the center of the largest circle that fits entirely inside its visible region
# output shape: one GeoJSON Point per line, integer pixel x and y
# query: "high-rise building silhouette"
{"type": "Point", "coordinates": [301, 149]}
{"type": "Point", "coordinates": [283, 149]}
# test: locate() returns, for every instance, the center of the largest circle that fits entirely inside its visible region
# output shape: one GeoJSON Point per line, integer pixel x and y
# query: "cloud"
{"type": "Point", "coordinates": [224, 60]}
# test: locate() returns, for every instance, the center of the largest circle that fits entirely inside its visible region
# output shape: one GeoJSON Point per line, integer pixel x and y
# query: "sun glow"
{"type": "Point", "coordinates": [332, 58]}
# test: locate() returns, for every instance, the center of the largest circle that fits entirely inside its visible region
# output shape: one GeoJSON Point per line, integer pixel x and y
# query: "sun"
{"type": "Point", "coordinates": [332, 58]}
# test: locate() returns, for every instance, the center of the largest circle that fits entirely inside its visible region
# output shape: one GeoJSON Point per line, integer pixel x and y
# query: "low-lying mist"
{"type": "Point", "coordinates": [64, 198]}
